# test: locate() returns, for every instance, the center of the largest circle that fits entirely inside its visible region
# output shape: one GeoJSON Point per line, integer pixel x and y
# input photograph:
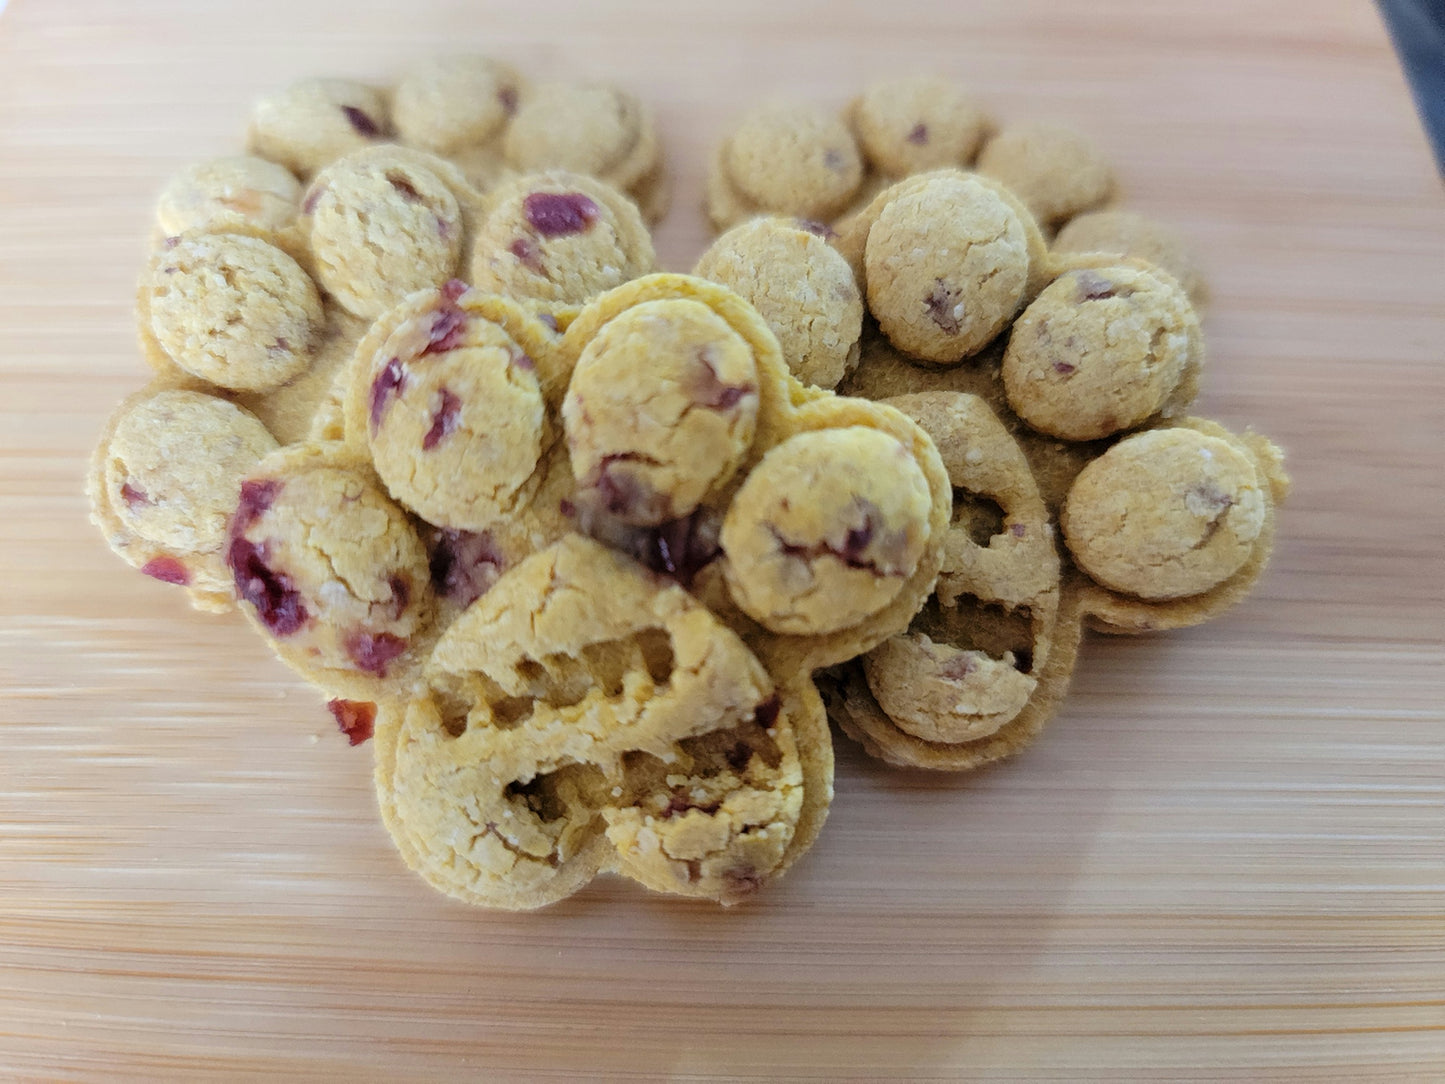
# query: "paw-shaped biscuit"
{"type": "Point", "coordinates": [975, 677]}
{"type": "Point", "coordinates": [1172, 526]}
{"type": "Point", "coordinates": [164, 479]}
{"type": "Point", "coordinates": [331, 571]}
{"type": "Point", "coordinates": [584, 715]}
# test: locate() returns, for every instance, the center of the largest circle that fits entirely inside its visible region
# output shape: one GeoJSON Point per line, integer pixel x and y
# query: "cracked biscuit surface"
{"type": "Point", "coordinates": [229, 308]}
{"type": "Point", "coordinates": [661, 409]}
{"type": "Point", "coordinates": [384, 223]}
{"type": "Point", "coordinates": [330, 571]}
{"type": "Point", "coordinates": [450, 410]}
{"type": "Point", "coordinates": [585, 716]}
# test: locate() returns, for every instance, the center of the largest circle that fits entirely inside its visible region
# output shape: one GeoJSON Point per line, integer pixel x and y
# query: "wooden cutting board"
{"type": "Point", "coordinates": [1225, 860]}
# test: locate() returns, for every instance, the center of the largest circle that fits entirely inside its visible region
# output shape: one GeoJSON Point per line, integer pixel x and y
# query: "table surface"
{"type": "Point", "coordinates": [1223, 860]}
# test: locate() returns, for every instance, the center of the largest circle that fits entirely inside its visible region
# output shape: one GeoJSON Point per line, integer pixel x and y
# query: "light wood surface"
{"type": "Point", "coordinates": [1225, 860]}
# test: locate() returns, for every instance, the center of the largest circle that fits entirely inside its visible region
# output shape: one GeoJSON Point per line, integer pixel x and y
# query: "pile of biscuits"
{"type": "Point", "coordinates": [593, 551]}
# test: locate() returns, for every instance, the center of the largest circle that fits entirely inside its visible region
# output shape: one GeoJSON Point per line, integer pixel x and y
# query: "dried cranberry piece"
{"type": "Point", "coordinates": [257, 495]}
{"type": "Point", "coordinates": [557, 214]}
{"type": "Point", "coordinates": [819, 229]}
{"type": "Point", "coordinates": [1063, 368]}
{"type": "Point", "coordinates": [313, 198]}
{"type": "Point", "coordinates": [390, 381]}
{"type": "Point", "coordinates": [448, 327]}
{"type": "Point", "coordinates": [834, 160]}
{"type": "Point", "coordinates": [528, 254]}
{"type": "Point", "coordinates": [680, 548]}
{"type": "Point", "coordinates": [941, 305]}
{"type": "Point", "coordinates": [464, 564]}
{"type": "Point", "coordinates": [710, 391]}
{"type": "Point", "coordinates": [1093, 287]}
{"type": "Point", "coordinates": [767, 712]}
{"type": "Point", "coordinates": [278, 604]}
{"type": "Point", "coordinates": [167, 570]}
{"type": "Point", "coordinates": [363, 123]}
{"type": "Point", "coordinates": [919, 135]}
{"type": "Point", "coordinates": [444, 420]}
{"type": "Point", "coordinates": [508, 97]}
{"type": "Point", "coordinates": [374, 651]}
{"type": "Point", "coordinates": [354, 718]}
{"type": "Point", "coordinates": [959, 668]}
{"type": "Point", "coordinates": [133, 495]}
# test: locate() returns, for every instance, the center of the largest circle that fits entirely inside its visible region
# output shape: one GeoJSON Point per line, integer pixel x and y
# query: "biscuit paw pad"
{"type": "Point", "coordinates": [450, 408]}
{"type": "Point", "coordinates": [330, 570]}
{"type": "Point", "coordinates": [826, 529]}
{"type": "Point", "coordinates": [1100, 351]}
{"type": "Point", "coordinates": [661, 410]}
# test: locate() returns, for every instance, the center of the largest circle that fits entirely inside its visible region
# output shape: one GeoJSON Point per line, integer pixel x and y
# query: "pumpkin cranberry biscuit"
{"type": "Point", "coordinates": [1173, 526]}
{"type": "Point", "coordinates": [661, 410]}
{"type": "Point", "coordinates": [163, 480]}
{"type": "Point", "coordinates": [331, 572]}
{"type": "Point", "coordinates": [559, 238]}
{"type": "Point", "coordinates": [1052, 168]}
{"type": "Point", "coordinates": [218, 195]}
{"type": "Point", "coordinates": [1101, 350]}
{"type": "Point", "coordinates": [917, 123]}
{"type": "Point", "coordinates": [787, 160]}
{"type": "Point", "coordinates": [450, 408]}
{"type": "Point", "coordinates": [579, 707]}
{"type": "Point", "coordinates": [1125, 233]}
{"type": "Point", "coordinates": [947, 263]}
{"type": "Point", "coordinates": [801, 286]}
{"type": "Point", "coordinates": [825, 530]}
{"type": "Point", "coordinates": [595, 129]}
{"type": "Point", "coordinates": [973, 663]}
{"type": "Point", "coordinates": [229, 308]}
{"type": "Point", "coordinates": [449, 103]}
{"type": "Point", "coordinates": [385, 223]}
{"type": "Point", "coordinates": [315, 121]}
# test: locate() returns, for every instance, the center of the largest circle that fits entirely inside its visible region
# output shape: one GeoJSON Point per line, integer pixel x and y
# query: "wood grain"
{"type": "Point", "coordinates": [1223, 862]}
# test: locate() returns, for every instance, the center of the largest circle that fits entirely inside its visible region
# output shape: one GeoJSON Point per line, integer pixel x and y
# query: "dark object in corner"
{"type": "Point", "coordinates": [1418, 28]}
